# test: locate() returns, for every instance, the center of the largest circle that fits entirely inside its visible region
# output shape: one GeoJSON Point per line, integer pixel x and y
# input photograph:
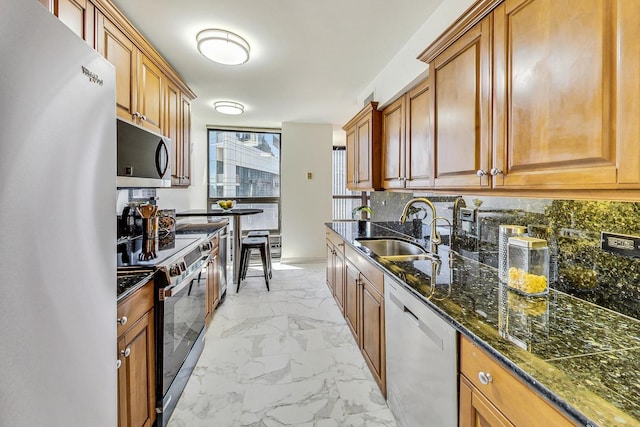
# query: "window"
{"type": "Point", "coordinates": [344, 200]}
{"type": "Point", "coordinates": [245, 166]}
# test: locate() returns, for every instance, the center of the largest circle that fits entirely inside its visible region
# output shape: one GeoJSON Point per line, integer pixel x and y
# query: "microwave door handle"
{"type": "Point", "coordinates": [162, 158]}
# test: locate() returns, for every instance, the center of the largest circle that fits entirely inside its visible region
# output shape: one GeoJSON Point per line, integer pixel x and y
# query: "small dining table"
{"type": "Point", "coordinates": [236, 213]}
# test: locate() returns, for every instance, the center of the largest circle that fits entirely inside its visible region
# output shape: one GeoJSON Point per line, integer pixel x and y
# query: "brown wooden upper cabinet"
{"type": "Point", "coordinates": [139, 82]}
{"type": "Point", "coordinates": [460, 109]}
{"type": "Point", "coordinates": [78, 15]}
{"type": "Point", "coordinates": [538, 95]}
{"type": "Point", "coordinates": [406, 141]}
{"type": "Point", "coordinates": [363, 134]}
{"type": "Point", "coordinates": [177, 126]}
{"type": "Point", "coordinates": [554, 94]}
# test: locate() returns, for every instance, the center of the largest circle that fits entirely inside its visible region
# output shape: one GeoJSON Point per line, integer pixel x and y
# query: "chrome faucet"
{"type": "Point", "coordinates": [434, 238]}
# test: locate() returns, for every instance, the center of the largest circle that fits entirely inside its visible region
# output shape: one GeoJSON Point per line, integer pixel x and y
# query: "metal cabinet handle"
{"type": "Point", "coordinates": [485, 378]}
{"type": "Point", "coordinates": [143, 117]}
{"type": "Point", "coordinates": [126, 352]}
{"type": "Point", "coordinates": [118, 363]}
{"type": "Point", "coordinates": [136, 115]}
{"type": "Point", "coordinates": [496, 171]}
{"type": "Point", "coordinates": [122, 320]}
{"type": "Point", "coordinates": [481, 172]}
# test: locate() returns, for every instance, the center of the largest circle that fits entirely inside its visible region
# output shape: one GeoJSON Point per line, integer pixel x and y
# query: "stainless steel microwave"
{"type": "Point", "coordinates": [143, 157]}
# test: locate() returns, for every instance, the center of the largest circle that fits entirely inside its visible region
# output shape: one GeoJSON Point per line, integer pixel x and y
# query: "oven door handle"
{"type": "Point", "coordinates": [170, 291]}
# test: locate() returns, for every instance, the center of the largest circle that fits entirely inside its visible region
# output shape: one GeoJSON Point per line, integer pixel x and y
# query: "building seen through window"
{"type": "Point", "coordinates": [245, 166]}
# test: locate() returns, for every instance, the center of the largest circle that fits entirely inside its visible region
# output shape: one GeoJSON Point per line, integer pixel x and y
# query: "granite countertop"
{"type": "Point", "coordinates": [583, 358]}
{"type": "Point", "coordinates": [199, 225]}
{"type": "Point", "coordinates": [130, 280]}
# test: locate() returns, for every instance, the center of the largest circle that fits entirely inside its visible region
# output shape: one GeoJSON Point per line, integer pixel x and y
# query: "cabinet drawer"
{"type": "Point", "coordinates": [513, 398]}
{"type": "Point", "coordinates": [335, 239]}
{"type": "Point", "coordinates": [366, 268]}
{"type": "Point", "coordinates": [135, 306]}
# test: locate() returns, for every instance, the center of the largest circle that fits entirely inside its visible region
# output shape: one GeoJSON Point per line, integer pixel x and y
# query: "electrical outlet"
{"type": "Point", "coordinates": [309, 175]}
{"type": "Point", "coordinates": [620, 244]}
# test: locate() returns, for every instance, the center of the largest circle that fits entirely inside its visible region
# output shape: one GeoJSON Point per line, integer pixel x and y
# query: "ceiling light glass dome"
{"type": "Point", "coordinates": [228, 107]}
{"type": "Point", "coordinates": [223, 47]}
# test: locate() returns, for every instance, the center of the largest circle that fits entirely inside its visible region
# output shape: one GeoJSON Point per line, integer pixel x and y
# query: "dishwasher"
{"type": "Point", "coordinates": [422, 385]}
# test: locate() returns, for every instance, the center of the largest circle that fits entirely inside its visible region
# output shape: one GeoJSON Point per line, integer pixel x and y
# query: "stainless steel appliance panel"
{"type": "Point", "coordinates": [421, 361]}
{"type": "Point", "coordinates": [143, 157]}
{"type": "Point", "coordinates": [57, 192]}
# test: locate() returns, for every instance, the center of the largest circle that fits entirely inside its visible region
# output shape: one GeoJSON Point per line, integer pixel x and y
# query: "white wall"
{"type": "Point", "coordinates": [404, 69]}
{"type": "Point", "coordinates": [306, 204]}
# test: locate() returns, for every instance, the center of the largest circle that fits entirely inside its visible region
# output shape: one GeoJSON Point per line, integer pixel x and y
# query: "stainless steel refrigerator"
{"type": "Point", "coordinates": [57, 225]}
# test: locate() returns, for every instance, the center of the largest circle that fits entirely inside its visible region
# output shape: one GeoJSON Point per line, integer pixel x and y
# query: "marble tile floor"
{"type": "Point", "coordinates": [281, 358]}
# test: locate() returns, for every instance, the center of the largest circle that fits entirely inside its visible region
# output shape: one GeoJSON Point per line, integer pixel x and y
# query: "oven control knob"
{"type": "Point", "coordinates": [175, 270]}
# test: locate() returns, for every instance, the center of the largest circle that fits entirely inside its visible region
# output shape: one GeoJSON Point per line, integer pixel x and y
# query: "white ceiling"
{"type": "Point", "coordinates": [310, 59]}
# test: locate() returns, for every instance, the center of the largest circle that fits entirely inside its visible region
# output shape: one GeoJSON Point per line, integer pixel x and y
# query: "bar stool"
{"type": "Point", "coordinates": [248, 243]}
{"type": "Point", "coordinates": [265, 234]}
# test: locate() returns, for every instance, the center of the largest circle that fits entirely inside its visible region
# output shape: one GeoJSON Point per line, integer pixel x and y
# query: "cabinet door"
{"type": "Point", "coordinates": [393, 145]}
{"type": "Point", "coordinates": [138, 364]}
{"type": "Point", "coordinates": [460, 109]}
{"type": "Point", "coordinates": [352, 283]}
{"type": "Point", "coordinates": [372, 336]}
{"type": "Point", "coordinates": [339, 279]}
{"type": "Point", "coordinates": [172, 128]}
{"type": "Point", "coordinates": [364, 152]}
{"type": "Point", "coordinates": [331, 267]}
{"type": "Point", "coordinates": [123, 390]}
{"type": "Point", "coordinates": [418, 146]}
{"type": "Point", "coordinates": [78, 15]}
{"type": "Point", "coordinates": [351, 158]}
{"type": "Point", "coordinates": [185, 124]}
{"type": "Point", "coordinates": [476, 410]}
{"type": "Point", "coordinates": [213, 271]}
{"type": "Point", "coordinates": [554, 123]}
{"type": "Point", "coordinates": [120, 51]}
{"type": "Point", "coordinates": [150, 94]}
{"type": "Point", "coordinates": [628, 93]}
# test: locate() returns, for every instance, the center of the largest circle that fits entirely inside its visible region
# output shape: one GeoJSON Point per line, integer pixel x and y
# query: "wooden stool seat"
{"type": "Point", "coordinates": [249, 243]}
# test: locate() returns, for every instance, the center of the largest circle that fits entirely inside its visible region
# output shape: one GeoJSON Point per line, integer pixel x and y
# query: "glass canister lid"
{"type": "Point", "coordinates": [527, 242]}
{"type": "Point", "coordinates": [513, 229]}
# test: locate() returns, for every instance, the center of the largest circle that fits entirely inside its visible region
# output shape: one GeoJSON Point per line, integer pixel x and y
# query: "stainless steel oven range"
{"type": "Point", "coordinates": [180, 311]}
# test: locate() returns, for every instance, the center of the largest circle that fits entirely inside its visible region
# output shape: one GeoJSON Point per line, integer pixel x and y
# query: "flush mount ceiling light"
{"type": "Point", "coordinates": [223, 47]}
{"type": "Point", "coordinates": [228, 107]}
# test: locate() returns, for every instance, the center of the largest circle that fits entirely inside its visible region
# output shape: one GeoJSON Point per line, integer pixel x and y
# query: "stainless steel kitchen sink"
{"type": "Point", "coordinates": [395, 249]}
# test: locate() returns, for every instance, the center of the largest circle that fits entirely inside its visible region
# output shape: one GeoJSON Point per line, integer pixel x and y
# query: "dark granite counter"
{"type": "Point", "coordinates": [583, 358]}
{"type": "Point", "coordinates": [130, 280]}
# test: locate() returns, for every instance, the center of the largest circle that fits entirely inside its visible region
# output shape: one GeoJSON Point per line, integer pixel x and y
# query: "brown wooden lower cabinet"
{"type": "Point", "coordinates": [372, 339]}
{"type": "Point", "coordinates": [490, 395]}
{"type": "Point", "coordinates": [136, 353]}
{"type": "Point", "coordinates": [335, 268]}
{"type": "Point", "coordinates": [364, 312]}
{"type": "Point", "coordinates": [351, 288]}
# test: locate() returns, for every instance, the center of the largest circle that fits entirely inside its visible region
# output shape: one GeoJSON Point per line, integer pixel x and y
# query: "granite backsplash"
{"type": "Point", "coordinates": [572, 229]}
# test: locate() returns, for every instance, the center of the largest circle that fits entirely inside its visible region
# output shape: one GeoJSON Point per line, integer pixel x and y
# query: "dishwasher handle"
{"type": "Point", "coordinates": [430, 333]}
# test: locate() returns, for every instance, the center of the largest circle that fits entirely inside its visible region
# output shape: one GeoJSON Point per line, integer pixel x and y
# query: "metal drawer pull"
{"type": "Point", "coordinates": [481, 172]}
{"type": "Point", "coordinates": [126, 352]}
{"type": "Point", "coordinates": [118, 363]}
{"type": "Point", "coordinates": [485, 378]}
{"type": "Point", "coordinates": [122, 320]}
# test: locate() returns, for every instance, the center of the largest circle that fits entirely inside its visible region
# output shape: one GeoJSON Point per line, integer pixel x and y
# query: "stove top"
{"type": "Point", "coordinates": [130, 279]}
